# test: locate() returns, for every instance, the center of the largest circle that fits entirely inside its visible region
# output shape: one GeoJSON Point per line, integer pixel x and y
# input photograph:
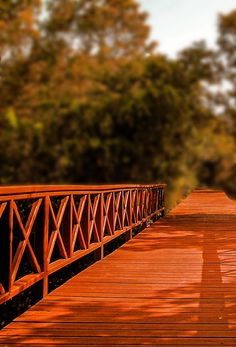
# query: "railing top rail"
{"type": "Point", "coordinates": [5, 190]}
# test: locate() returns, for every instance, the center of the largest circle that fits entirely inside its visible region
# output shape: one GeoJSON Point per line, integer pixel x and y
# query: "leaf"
{"type": "Point", "coordinates": [12, 118]}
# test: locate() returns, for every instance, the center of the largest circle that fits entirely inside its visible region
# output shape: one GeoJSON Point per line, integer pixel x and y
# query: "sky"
{"type": "Point", "coordinates": [177, 23]}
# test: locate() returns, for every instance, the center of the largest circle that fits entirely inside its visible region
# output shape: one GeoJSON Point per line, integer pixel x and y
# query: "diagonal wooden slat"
{"type": "Point", "coordinates": [33, 215]}
{"type": "Point", "coordinates": [93, 225]}
{"type": "Point", "coordinates": [25, 243]}
{"type": "Point", "coordinates": [61, 211]}
{"type": "Point", "coordinates": [56, 235]}
{"type": "Point", "coordinates": [2, 289]}
{"type": "Point", "coordinates": [2, 208]}
{"type": "Point", "coordinates": [106, 220]}
{"type": "Point", "coordinates": [125, 216]}
{"type": "Point", "coordinates": [51, 245]}
{"type": "Point", "coordinates": [77, 230]}
{"type": "Point", "coordinates": [117, 217]}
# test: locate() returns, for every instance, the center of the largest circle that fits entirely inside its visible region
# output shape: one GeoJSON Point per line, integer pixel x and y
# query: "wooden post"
{"type": "Point", "coordinates": [45, 246]}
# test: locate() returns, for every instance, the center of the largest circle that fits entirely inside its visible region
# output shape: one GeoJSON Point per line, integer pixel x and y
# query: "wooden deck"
{"type": "Point", "coordinates": [173, 284]}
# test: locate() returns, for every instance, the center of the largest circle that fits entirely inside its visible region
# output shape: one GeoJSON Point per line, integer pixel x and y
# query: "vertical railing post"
{"type": "Point", "coordinates": [71, 225]}
{"type": "Point", "coordinates": [154, 198]}
{"type": "Point", "coordinates": [121, 209]}
{"type": "Point", "coordinates": [45, 245]}
{"type": "Point", "coordinates": [111, 212]}
{"type": "Point", "coordinates": [149, 201]}
{"type": "Point", "coordinates": [135, 211]}
{"type": "Point", "coordinates": [163, 201]}
{"type": "Point", "coordinates": [11, 233]}
{"type": "Point", "coordinates": [143, 197]}
{"type": "Point", "coordinates": [100, 216]}
{"type": "Point", "coordinates": [99, 220]}
{"type": "Point", "coordinates": [158, 198]}
{"type": "Point", "coordinates": [155, 201]}
{"type": "Point", "coordinates": [158, 202]}
{"type": "Point", "coordinates": [130, 214]}
{"type": "Point", "coordinates": [5, 247]}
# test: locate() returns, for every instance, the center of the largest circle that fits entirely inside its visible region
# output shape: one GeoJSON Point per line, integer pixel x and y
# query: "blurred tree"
{"type": "Point", "coordinates": [214, 150]}
{"type": "Point", "coordinates": [146, 124]}
{"type": "Point", "coordinates": [49, 87]}
{"type": "Point", "coordinates": [227, 37]}
{"type": "Point", "coordinates": [19, 20]}
{"type": "Point", "coordinates": [18, 27]}
{"type": "Point", "coordinates": [218, 164]}
{"type": "Point", "coordinates": [104, 28]}
{"type": "Point", "coordinates": [84, 98]}
{"type": "Point", "coordinates": [227, 54]}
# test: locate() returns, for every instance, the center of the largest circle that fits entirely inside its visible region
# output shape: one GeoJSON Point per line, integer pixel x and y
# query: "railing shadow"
{"type": "Point", "coordinates": [201, 307]}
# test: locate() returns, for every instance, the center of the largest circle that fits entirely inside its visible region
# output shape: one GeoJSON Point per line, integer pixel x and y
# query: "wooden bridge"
{"type": "Point", "coordinates": [173, 284]}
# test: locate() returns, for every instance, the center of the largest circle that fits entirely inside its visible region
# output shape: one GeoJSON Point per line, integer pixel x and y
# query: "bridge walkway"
{"type": "Point", "coordinates": [174, 284]}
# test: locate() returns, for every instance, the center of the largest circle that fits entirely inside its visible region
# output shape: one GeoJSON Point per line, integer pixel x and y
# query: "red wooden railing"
{"type": "Point", "coordinates": [49, 227]}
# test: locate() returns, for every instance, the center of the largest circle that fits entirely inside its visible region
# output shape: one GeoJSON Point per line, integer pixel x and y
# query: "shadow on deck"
{"type": "Point", "coordinates": [173, 284]}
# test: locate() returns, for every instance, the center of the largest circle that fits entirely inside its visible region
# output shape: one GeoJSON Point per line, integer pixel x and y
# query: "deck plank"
{"type": "Point", "coordinates": [174, 284]}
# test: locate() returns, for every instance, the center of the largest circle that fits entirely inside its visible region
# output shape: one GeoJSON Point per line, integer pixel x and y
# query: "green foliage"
{"type": "Point", "coordinates": [82, 101]}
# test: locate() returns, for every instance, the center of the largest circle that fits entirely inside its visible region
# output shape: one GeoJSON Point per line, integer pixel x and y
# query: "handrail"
{"type": "Point", "coordinates": [51, 226]}
{"type": "Point", "coordinates": [6, 190]}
